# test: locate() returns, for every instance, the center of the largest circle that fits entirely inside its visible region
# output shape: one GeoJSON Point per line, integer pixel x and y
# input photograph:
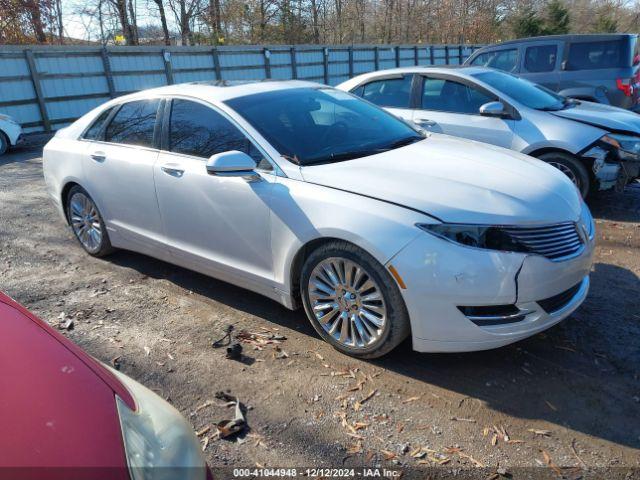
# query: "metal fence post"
{"type": "Point", "coordinates": [168, 70]}
{"type": "Point", "coordinates": [294, 63]}
{"type": "Point", "coordinates": [432, 57]}
{"type": "Point", "coordinates": [415, 55]}
{"type": "Point", "coordinates": [106, 64]}
{"type": "Point", "coordinates": [325, 64]}
{"type": "Point", "coordinates": [397, 49]}
{"type": "Point", "coordinates": [267, 62]}
{"type": "Point", "coordinates": [350, 61]}
{"type": "Point", "coordinates": [376, 58]}
{"type": "Point", "coordinates": [35, 79]}
{"type": "Point", "coordinates": [460, 54]}
{"type": "Point", "coordinates": [446, 54]}
{"type": "Point", "coordinates": [216, 63]}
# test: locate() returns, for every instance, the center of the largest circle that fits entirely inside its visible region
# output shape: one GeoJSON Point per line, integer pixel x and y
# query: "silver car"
{"type": "Point", "coordinates": [596, 146]}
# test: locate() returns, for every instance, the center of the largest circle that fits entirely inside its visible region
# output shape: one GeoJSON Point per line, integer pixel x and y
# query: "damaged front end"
{"type": "Point", "coordinates": [615, 160]}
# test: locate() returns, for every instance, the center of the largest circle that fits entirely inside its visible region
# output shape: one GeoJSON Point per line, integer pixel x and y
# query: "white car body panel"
{"type": "Point", "coordinates": [445, 177]}
{"type": "Point", "coordinates": [11, 129]}
{"type": "Point", "coordinates": [251, 233]}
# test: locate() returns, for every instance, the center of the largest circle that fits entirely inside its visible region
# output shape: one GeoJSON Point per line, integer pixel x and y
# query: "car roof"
{"type": "Point", "coordinates": [221, 91]}
{"type": "Point", "coordinates": [458, 70]}
{"type": "Point", "coordinates": [568, 37]}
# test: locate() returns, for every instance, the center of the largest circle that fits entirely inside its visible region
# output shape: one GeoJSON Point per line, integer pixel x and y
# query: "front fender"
{"type": "Point", "coordinates": [380, 228]}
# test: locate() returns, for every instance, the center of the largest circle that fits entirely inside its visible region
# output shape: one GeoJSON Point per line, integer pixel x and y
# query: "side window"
{"type": "Point", "coordinates": [500, 59]}
{"type": "Point", "coordinates": [93, 132]}
{"type": "Point", "coordinates": [541, 58]}
{"type": "Point", "coordinates": [134, 123]}
{"type": "Point", "coordinates": [593, 55]}
{"type": "Point", "coordinates": [198, 130]}
{"type": "Point", "coordinates": [447, 96]}
{"type": "Point", "coordinates": [392, 92]}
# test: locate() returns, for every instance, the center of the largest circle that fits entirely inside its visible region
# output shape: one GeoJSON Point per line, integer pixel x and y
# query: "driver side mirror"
{"type": "Point", "coordinates": [493, 109]}
{"type": "Point", "coordinates": [232, 164]}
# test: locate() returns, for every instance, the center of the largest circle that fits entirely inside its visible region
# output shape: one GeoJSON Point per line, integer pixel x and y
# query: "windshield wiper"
{"type": "Point", "coordinates": [405, 141]}
{"type": "Point", "coordinates": [338, 157]}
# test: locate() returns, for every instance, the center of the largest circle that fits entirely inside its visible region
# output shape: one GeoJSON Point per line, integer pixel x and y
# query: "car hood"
{"type": "Point", "coordinates": [603, 116]}
{"type": "Point", "coordinates": [55, 410]}
{"type": "Point", "coordinates": [458, 181]}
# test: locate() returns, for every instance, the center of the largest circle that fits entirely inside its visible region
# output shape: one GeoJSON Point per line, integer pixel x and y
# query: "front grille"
{"type": "Point", "coordinates": [557, 302]}
{"type": "Point", "coordinates": [551, 241]}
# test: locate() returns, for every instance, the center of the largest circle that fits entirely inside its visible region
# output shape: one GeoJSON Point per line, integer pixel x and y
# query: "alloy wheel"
{"type": "Point", "coordinates": [567, 171]}
{"type": "Point", "coordinates": [85, 221]}
{"type": "Point", "coordinates": [347, 302]}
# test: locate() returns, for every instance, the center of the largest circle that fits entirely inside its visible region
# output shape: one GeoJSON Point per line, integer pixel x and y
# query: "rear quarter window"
{"type": "Point", "coordinates": [95, 130]}
{"type": "Point", "coordinates": [598, 55]}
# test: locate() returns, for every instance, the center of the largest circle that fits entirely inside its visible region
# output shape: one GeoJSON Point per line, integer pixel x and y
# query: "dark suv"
{"type": "Point", "coordinates": [597, 68]}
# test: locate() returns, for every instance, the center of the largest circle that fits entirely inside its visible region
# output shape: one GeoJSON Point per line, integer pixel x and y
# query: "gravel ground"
{"type": "Point", "coordinates": [566, 401]}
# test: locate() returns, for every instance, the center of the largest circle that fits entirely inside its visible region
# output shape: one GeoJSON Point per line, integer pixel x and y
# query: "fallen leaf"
{"type": "Point", "coordinates": [543, 433]}
{"type": "Point", "coordinates": [550, 463]}
{"type": "Point", "coordinates": [147, 351]}
{"type": "Point", "coordinates": [205, 443]}
{"type": "Point", "coordinates": [388, 455]}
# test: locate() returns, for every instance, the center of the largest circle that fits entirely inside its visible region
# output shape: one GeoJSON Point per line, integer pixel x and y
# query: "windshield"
{"type": "Point", "coordinates": [523, 91]}
{"type": "Point", "coordinates": [309, 126]}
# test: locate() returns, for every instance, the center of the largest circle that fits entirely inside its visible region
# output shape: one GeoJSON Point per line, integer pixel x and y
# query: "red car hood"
{"type": "Point", "coordinates": [57, 404]}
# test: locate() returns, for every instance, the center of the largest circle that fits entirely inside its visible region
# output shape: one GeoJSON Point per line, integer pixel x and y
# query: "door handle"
{"type": "Point", "coordinates": [425, 122]}
{"type": "Point", "coordinates": [172, 169]}
{"type": "Point", "coordinates": [98, 156]}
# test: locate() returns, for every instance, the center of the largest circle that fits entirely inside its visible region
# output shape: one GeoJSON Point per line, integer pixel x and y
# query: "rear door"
{"type": "Point", "coordinates": [452, 106]}
{"type": "Point", "coordinates": [541, 63]}
{"type": "Point", "coordinates": [118, 167]}
{"type": "Point", "coordinates": [591, 67]}
{"type": "Point", "coordinates": [392, 92]}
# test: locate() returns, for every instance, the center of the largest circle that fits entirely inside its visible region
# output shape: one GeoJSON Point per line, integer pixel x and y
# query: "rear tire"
{"type": "Point", "coordinates": [86, 222]}
{"type": "Point", "coordinates": [572, 168]}
{"type": "Point", "coordinates": [357, 306]}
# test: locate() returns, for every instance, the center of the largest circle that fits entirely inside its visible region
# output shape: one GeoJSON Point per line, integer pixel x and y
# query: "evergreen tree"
{"type": "Point", "coordinates": [527, 23]}
{"type": "Point", "coordinates": [556, 19]}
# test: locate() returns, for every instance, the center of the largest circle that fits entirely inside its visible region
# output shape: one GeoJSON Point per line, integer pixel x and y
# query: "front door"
{"type": "Point", "coordinates": [216, 225]}
{"type": "Point", "coordinates": [453, 108]}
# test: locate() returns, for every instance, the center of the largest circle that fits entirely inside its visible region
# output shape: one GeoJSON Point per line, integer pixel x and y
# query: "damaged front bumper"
{"type": "Point", "coordinates": [609, 170]}
{"type": "Point", "coordinates": [512, 295]}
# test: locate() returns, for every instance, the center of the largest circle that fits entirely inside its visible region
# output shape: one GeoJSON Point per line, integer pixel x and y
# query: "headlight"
{"type": "Point", "coordinates": [478, 236]}
{"type": "Point", "coordinates": [158, 442]}
{"type": "Point", "coordinates": [586, 222]}
{"type": "Point", "coordinates": [628, 146]}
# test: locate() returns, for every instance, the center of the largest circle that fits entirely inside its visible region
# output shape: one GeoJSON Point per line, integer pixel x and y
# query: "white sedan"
{"type": "Point", "coordinates": [10, 133]}
{"type": "Point", "coordinates": [314, 197]}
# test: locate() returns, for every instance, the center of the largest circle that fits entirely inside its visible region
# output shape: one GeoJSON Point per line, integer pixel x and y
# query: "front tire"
{"type": "Point", "coordinates": [86, 223]}
{"type": "Point", "coordinates": [352, 301]}
{"type": "Point", "coordinates": [4, 143]}
{"type": "Point", "coordinates": [572, 168]}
